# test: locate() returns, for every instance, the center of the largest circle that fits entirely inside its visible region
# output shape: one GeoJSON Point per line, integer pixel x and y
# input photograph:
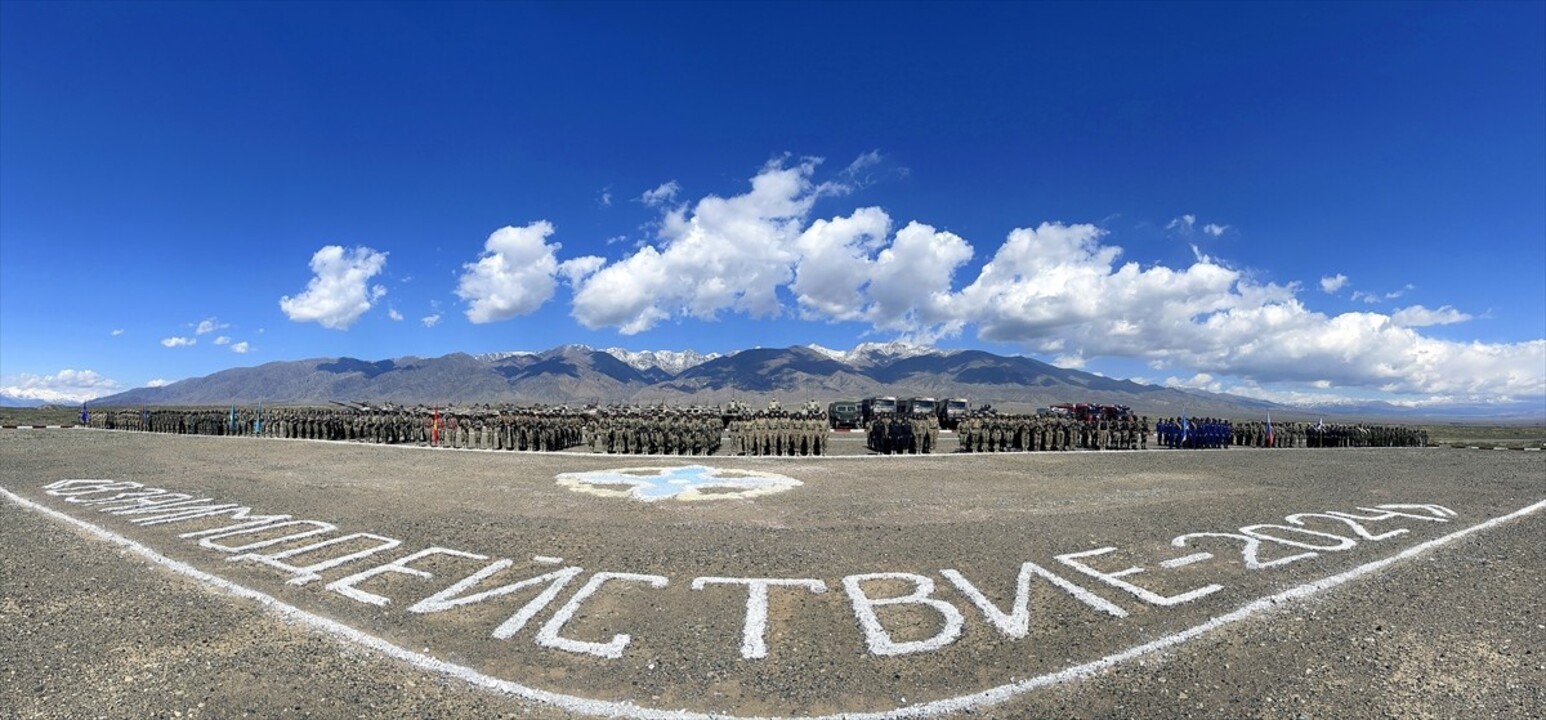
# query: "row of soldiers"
{"type": "Point", "coordinates": [698, 431]}
{"type": "Point", "coordinates": [776, 432]}
{"type": "Point", "coordinates": [1193, 433]}
{"type": "Point", "coordinates": [632, 432]}
{"type": "Point", "coordinates": [1216, 433]}
{"type": "Point", "coordinates": [1321, 435]}
{"type": "Point", "coordinates": [484, 428]}
{"type": "Point", "coordinates": [479, 428]}
{"type": "Point", "coordinates": [181, 422]}
{"type": "Point", "coordinates": [888, 434]}
{"type": "Point", "coordinates": [1043, 433]}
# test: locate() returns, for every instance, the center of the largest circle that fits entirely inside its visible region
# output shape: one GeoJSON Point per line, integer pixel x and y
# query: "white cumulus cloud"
{"type": "Point", "coordinates": [1419, 316]}
{"type": "Point", "coordinates": [223, 340]}
{"type": "Point", "coordinates": [394, 315]}
{"type": "Point", "coordinates": [910, 280]}
{"type": "Point", "coordinates": [835, 260]}
{"type": "Point", "coordinates": [1200, 381]}
{"type": "Point", "coordinates": [661, 195]}
{"type": "Point", "coordinates": [430, 321]}
{"type": "Point", "coordinates": [575, 270]}
{"type": "Point", "coordinates": [158, 382]}
{"type": "Point", "coordinates": [1371, 298]}
{"type": "Point", "coordinates": [117, 332]}
{"type": "Point", "coordinates": [514, 276]}
{"type": "Point", "coordinates": [209, 325]}
{"type": "Point", "coordinates": [1056, 288]}
{"type": "Point", "coordinates": [722, 254]}
{"type": "Point", "coordinates": [1187, 225]}
{"type": "Point", "coordinates": [241, 348]}
{"type": "Point", "coordinates": [339, 291]}
{"type": "Point", "coordinates": [172, 342]}
{"type": "Point", "coordinates": [65, 386]}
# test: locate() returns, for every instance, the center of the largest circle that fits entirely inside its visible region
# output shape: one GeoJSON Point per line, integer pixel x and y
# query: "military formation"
{"type": "Point", "coordinates": [1212, 433]}
{"type": "Point", "coordinates": [1321, 435]}
{"type": "Point", "coordinates": [775, 432]}
{"type": "Point", "coordinates": [532, 428]}
{"type": "Point", "coordinates": [892, 435]}
{"type": "Point", "coordinates": [653, 431]}
{"type": "Point", "coordinates": [660, 430]}
{"type": "Point", "coordinates": [1046, 433]}
{"type": "Point", "coordinates": [205, 421]}
{"type": "Point", "coordinates": [1194, 433]}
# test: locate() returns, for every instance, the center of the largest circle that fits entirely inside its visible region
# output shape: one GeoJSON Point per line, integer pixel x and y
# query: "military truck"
{"type": "Point", "coordinates": [844, 414]}
{"type": "Point", "coordinates": [916, 406]}
{"type": "Point", "coordinates": [952, 411]}
{"type": "Point", "coordinates": [871, 407]}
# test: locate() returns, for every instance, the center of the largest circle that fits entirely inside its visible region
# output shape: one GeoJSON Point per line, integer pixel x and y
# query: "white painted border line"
{"type": "Point", "coordinates": [609, 708]}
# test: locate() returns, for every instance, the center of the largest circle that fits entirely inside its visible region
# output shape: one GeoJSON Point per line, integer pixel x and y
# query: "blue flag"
{"type": "Point", "coordinates": [83, 413]}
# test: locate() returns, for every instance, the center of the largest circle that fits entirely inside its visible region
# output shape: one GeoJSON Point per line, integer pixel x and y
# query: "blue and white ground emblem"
{"type": "Point", "coordinates": [692, 482]}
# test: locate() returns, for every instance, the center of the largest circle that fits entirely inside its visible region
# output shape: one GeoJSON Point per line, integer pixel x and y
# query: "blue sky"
{"type": "Point", "coordinates": [1287, 201]}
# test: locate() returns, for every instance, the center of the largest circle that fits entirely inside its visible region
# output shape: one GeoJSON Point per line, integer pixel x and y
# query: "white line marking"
{"type": "Point", "coordinates": [607, 708]}
{"type": "Point", "coordinates": [1188, 560]}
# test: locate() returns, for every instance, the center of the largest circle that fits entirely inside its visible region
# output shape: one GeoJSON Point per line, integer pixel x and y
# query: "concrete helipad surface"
{"type": "Point", "coordinates": [149, 575]}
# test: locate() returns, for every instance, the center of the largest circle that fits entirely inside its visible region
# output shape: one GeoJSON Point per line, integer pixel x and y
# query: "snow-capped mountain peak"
{"type": "Point", "coordinates": [670, 361]}
{"type": "Point", "coordinates": [838, 355]}
{"type": "Point", "coordinates": [873, 353]}
{"type": "Point", "coordinates": [495, 357]}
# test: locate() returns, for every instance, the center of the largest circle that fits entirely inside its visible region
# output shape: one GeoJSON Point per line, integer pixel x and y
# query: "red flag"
{"type": "Point", "coordinates": [434, 428]}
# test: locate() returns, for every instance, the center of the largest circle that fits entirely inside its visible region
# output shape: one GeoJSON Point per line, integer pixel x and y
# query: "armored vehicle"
{"type": "Point", "coordinates": [844, 414]}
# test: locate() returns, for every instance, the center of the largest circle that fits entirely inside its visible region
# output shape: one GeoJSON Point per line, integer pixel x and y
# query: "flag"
{"type": "Point", "coordinates": [83, 413]}
{"type": "Point", "coordinates": [257, 423]}
{"type": "Point", "coordinates": [1185, 428]}
{"type": "Point", "coordinates": [434, 428]}
{"type": "Point", "coordinates": [1269, 429]}
{"type": "Point", "coordinates": [1320, 424]}
{"type": "Point", "coordinates": [230, 425]}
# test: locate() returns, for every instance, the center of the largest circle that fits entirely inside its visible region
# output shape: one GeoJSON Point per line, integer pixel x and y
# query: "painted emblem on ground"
{"type": "Point", "coordinates": [685, 483]}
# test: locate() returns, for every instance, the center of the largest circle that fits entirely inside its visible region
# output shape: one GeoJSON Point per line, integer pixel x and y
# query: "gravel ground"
{"type": "Point", "coordinates": [95, 631]}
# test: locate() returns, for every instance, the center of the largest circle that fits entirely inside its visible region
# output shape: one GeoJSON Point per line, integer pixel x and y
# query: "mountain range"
{"type": "Point", "coordinates": [581, 375]}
